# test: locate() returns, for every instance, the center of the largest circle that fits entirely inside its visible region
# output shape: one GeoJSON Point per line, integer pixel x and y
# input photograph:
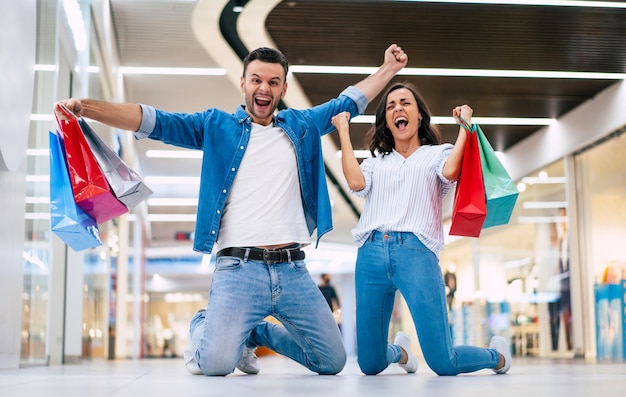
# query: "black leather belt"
{"type": "Point", "coordinates": [267, 256]}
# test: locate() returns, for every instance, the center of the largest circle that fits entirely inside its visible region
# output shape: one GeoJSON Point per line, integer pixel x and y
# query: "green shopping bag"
{"type": "Point", "coordinates": [500, 190]}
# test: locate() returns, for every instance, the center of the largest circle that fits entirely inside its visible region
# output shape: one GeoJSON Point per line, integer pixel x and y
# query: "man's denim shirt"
{"type": "Point", "coordinates": [223, 138]}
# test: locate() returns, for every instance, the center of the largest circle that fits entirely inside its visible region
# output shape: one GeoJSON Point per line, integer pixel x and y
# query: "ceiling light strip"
{"type": "Point", "coordinates": [172, 180]}
{"type": "Point", "coordinates": [37, 178]}
{"type": "Point", "coordinates": [544, 204]}
{"type": "Point", "coordinates": [544, 180]}
{"type": "Point", "coordinates": [37, 216]}
{"type": "Point", "coordinates": [550, 3]}
{"type": "Point", "coordinates": [174, 154]}
{"type": "Point", "coordinates": [542, 219]}
{"type": "Point", "coordinates": [38, 152]}
{"type": "Point", "coordinates": [358, 153]}
{"type": "Point", "coordinates": [365, 70]}
{"type": "Point", "coordinates": [38, 200]}
{"type": "Point", "coordinates": [370, 119]}
{"type": "Point", "coordinates": [174, 71]}
{"type": "Point", "coordinates": [172, 202]}
{"type": "Point", "coordinates": [363, 119]}
{"type": "Point", "coordinates": [537, 74]}
{"type": "Point", "coordinates": [45, 68]}
{"type": "Point", "coordinates": [172, 217]}
{"type": "Point", "coordinates": [42, 117]}
{"type": "Point", "coordinates": [130, 217]}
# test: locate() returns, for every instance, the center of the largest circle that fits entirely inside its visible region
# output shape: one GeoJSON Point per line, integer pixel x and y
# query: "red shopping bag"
{"type": "Point", "coordinates": [470, 206]}
{"type": "Point", "coordinates": [91, 189]}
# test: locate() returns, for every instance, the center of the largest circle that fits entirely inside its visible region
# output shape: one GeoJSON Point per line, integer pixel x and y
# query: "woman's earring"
{"type": "Point", "coordinates": [419, 123]}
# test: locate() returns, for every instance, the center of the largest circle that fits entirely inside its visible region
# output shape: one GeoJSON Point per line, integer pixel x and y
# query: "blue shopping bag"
{"type": "Point", "coordinates": [67, 220]}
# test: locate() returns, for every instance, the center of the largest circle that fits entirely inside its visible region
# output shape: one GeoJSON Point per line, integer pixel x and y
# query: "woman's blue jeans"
{"type": "Point", "coordinates": [242, 295]}
{"type": "Point", "coordinates": [393, 261]}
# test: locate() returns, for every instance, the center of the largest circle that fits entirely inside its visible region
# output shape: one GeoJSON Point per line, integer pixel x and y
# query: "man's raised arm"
{"type": "Point", "coordinates": [395, 59]}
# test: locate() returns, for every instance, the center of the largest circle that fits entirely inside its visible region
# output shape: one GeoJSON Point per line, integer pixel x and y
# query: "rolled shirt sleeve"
{"type": "Point", "coordinates": [357, 96]}
{"type": "Point", "coordinates": [148, 121]}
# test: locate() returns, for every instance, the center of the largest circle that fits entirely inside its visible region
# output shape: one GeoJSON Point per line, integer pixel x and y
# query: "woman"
{"type": "Point", "coordinates": [400, 234]}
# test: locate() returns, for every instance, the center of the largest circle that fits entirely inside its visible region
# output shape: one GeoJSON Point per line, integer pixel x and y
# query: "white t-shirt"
{"type": "Point", "coordinates": [265, 204]}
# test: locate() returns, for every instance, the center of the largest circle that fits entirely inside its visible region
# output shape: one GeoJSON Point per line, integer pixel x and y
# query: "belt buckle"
{"type": "Point", "coordinates": [266, 256]}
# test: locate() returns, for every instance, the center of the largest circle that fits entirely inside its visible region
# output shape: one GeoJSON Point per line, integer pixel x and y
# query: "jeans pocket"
{"type": "Point", "coordinates": [413, 243]}
{"type": "Point", "coordinates": [299, 266]}
{"type": "Point", "coordinates": [226, 263]}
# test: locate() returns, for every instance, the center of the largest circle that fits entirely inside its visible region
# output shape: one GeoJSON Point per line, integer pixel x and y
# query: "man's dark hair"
{"type": "Point", "coordinates": [265, 54]}
{"type": "Point", "coordinates": [379, 136]}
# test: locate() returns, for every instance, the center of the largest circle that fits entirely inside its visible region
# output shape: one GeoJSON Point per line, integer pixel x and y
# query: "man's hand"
{"type": "Point", "coordinates": [73, 105]}
{"type": "Point", "coordinates": [395, 58]}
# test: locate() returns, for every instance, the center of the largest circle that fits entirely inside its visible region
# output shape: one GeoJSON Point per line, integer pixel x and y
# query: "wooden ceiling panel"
{"type": "Point", "coordinates": [459, 36]}
{"type": "Point", "coordinates": [451, 35]}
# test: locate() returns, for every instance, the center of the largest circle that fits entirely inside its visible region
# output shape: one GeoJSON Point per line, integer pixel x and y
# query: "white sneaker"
{"type": "Point", "coordinates": [190, 360]}
{"type": "Point", "coordinates": [404, 342]}
{"type": "Point", "coordinates": [500, 344]}
{"type": "Point", "coordinates": [249, 362]}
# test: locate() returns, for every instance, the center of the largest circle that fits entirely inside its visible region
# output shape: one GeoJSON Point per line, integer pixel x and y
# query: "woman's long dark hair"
{"type": "Point", "coordinates": [379, 136]}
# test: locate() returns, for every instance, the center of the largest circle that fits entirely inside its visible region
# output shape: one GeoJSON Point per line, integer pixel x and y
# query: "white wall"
{"type": "Point", "coordinates": [12, 186]}
{"type": "Point", "coordinates": [17, 51]}
{"type": "Point", "coordinates": [582, 126]}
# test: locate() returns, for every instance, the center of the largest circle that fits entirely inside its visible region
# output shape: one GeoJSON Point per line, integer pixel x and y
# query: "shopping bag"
{"type": "Point", "coordinates": [67, 220]}
{"type": "Point", "coordinates": [500, 191]}
{"type": "Point", "coordinates": [127, 185]}
{"type": "Point", "coordinates": [89, 184]}
{"type": "Point", "coordinates": [469, 209]}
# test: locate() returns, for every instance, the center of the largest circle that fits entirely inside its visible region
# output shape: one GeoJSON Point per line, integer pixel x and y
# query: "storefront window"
{"type": "Point", "coordinates": [37, 248]}
{"type": "Point", "coordinates": [34, 306]}
{"type": "Point", "coordinates": [54, 76]}
{"type": "Point", "coordinates": [503, 277]}
{"type": "Point", "coordinates": [600, 171]}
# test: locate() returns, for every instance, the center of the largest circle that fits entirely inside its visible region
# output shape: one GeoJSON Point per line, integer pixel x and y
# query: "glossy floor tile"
{"type": "Point", "coordinates": [529, 377]}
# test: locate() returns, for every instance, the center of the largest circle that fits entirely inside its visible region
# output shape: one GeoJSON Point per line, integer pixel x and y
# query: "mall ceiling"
{"type": "Point", "coordinates": [466, 37]}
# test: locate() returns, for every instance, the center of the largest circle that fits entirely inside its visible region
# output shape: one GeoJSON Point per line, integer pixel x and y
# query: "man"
{"type": "Point", "coordinates": [329, 292]}
{"type": "Point", "coordinates": [262, 195]}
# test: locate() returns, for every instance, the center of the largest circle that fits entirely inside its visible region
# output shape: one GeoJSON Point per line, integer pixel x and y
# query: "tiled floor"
{"type": "Point", "coordinates": [529, 377]}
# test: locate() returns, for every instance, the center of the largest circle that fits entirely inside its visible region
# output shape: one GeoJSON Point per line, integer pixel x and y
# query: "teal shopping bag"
{"type": "Point", "coordinates": [500, 190]}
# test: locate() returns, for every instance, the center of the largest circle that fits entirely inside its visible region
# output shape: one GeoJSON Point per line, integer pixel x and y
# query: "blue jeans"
{"type": "Point", "coordinates": [242, 295]}
{"type": "Point", "coordinates": [399, 261]}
